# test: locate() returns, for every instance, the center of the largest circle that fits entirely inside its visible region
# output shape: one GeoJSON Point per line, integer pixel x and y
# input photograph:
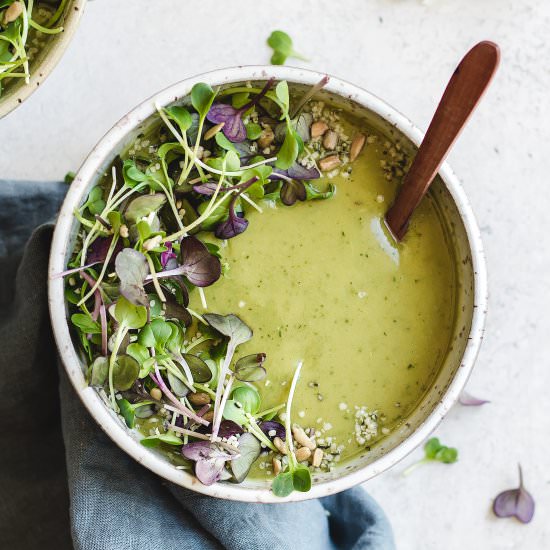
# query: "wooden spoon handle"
{"type": "Point", "coordinates": [465, 89]}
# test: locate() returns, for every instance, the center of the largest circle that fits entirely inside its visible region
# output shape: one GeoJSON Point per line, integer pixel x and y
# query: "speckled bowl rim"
{"type": "Point", "coordinates": [41, 71]}
{"type": "Point", "coordinates": [105, 418]}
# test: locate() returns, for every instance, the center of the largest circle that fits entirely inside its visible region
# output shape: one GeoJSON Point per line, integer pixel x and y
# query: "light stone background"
{"type": "Point", "coordinates": [403, 51]}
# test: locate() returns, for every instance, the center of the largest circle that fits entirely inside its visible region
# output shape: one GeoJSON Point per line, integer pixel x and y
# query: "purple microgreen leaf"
{"type": "Point", "coordinates": [470, 401]}
{"type": "Point", "coordinates": [197, 450]}
{"type": "Point", "coordinates": [299, 172]}
{"type": "Point", "coordinates": [209, 471]}
{"type": "Point", "coordinates": [173, 310]}
{"type": "Point", "coordinates": [273, 429]}
{"type": "Point", "coordinates": [132, 269]}
{"type": "Point", "coordinates": [233, 226]}
{"type": "Point", "coordinates": [515, 502]}
{"type": "Point", "coordinates": [234, 129]}
{"type": "Point", "coordinates": [229, 428]}
{"type": "Point", "coordinates": [167, 255]}
{"type": "Point", "coordinates": [210, 460]}
{"type": "Point", "coordinates": [292, 191]}
{"type": "Point", "coordinates": [249, 451]}
{"type": "Point", "coordinates": [97, 252]}
{"type": "Point", "coordinates": [250, 368]}
{"type": "Point", "coordinates": [208, 188]}
{"type": "Point", "coordinates": [199, 266]}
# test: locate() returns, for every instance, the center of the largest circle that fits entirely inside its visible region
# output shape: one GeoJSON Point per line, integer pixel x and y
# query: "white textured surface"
{"type": "Point", "coordinates": [404, 51]}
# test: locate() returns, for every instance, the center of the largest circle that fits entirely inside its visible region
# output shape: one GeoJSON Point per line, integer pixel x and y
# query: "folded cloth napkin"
{"type": "Point", "coordinates": [53, 455]}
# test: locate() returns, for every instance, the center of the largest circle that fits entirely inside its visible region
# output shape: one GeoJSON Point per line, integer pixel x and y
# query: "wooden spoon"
{"type": "Point", "coordinates": [465, 89]}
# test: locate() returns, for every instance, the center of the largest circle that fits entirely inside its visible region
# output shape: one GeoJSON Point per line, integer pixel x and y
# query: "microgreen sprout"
{"type": "Point", "coordinates": [515, 503]}
{"type": "Point", "coordinates": [283, 48]}
{"type": "Point", "coordinates": [296, 477]}
{"type": "Point", "coordinates": [434, 452]}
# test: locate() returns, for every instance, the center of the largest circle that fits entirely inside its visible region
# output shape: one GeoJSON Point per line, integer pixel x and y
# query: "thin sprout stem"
{"type": "Point", "coordinates": [205, 389]}
{"type": "Point", "coordinates": [267, 411]}
{"type": "Point", "coordinates": [197, 315]}
{"type": "Point", "coordinates": [414, 466]}
{"type": "Point", "coordinates": [288, 423]}
{"type": "Point", "coordinates": [251, 202]}
{"type": "Point", "coordinates": [58, 13]}
{"type": "Point", "coordinates": [44, 30]}
{"type": "Point", "coordinates": [203, 298]}
{"type": "Point", "coordinates": [122, 330]}
{"type": "Point", "coordinates": [154, 278]}
{"type": "Point", "coordinates": [218, 417]}
{"type": "Point", "coordinates": [255, 430]}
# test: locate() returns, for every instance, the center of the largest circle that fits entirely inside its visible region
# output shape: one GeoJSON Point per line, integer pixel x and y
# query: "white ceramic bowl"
{"type": "Point", "coordinates": [471, 288]}
{"type": "Point", "coordinates": [17, 90]}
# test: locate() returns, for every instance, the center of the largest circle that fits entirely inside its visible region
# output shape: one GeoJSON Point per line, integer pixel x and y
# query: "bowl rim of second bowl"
{"type": "Point", "coordinates": [89, 171]}
{"type": "Point", "coordinates": [41, 71]}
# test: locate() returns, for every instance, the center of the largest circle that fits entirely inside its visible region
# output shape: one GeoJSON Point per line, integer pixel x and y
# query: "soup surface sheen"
{"type": "Point", "coordinates": [319, 282]}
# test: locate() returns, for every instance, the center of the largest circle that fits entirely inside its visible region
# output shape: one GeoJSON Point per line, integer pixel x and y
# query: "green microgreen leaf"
{"type": "Point", "coordinates": [199, 369]}
{"type": "Point", "coordinates": [202, 97]}
{"type": "Point", "coordinates": [253, 131]}
{"type": "Point", "coordinates": [155, 334]}
{"type": "Point", "coordinates": [312, 193]}
{"type": "Point", "coordinates": [283, 484]}
{"type": "Point", "coordinates": [125, 372]}
{"type": "Point", "coordinates": [129, 410]}
{"type": "Point", "coordinates": [181, 116]}
{"type": "Point", "coordinates": [142, 206]}
{"type": "Point", "coordinates": [288, 153]}
{"type": "Point", "coordinates": [234, 411]}
{"type": "Point", "coordinates": [248, 397]}
{"type": "Point", "coordinates": [130, 315]}
{"type": "Point", "coordinates": [434, 451]}
{"type": "Point", "coordinates": [282, 93]}
{"type": "Point", "coordinates": [95, 203]}
{"type": "Point", "coordinates": [155, 440]}
{"type": "Point", "coordinates": [249, 451]}
{"type": "Point", "coordinates": [301, 478]}
{"type": "Point", "coordinates": [131, 267]}
{"type": "Point", "coordinates": [99, 369]}
{"type": "Point", "coordinates": [231, 326]}
{"type": "Point", "coordinates": [132, 174]}
{"type": "Point", "coordinates": [85, 323]}
{"type": "Point", "coordinates": [283, 48]}
{"type": "Point", "coordinates": [250, 368]}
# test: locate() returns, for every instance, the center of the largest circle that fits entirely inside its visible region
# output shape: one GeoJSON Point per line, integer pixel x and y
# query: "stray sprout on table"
{"type": "Point", "coordinates": [434, 452]}
{"type": "Point", "coordinates": [283, 48]}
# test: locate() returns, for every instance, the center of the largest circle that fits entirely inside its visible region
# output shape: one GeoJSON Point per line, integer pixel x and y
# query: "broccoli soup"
{"type": "Point", "coordinates": [321, 283]}
{"type": "Point", "coordinates": [237, 297]}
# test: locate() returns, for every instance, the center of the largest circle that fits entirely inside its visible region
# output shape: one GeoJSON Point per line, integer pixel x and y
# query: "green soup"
{"type": "Point", "coordinates": [321, 282]}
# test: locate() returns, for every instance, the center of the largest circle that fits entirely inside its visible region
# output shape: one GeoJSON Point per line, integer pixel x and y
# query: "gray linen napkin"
{"type": "Point", "coordinates": [52, 455]}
